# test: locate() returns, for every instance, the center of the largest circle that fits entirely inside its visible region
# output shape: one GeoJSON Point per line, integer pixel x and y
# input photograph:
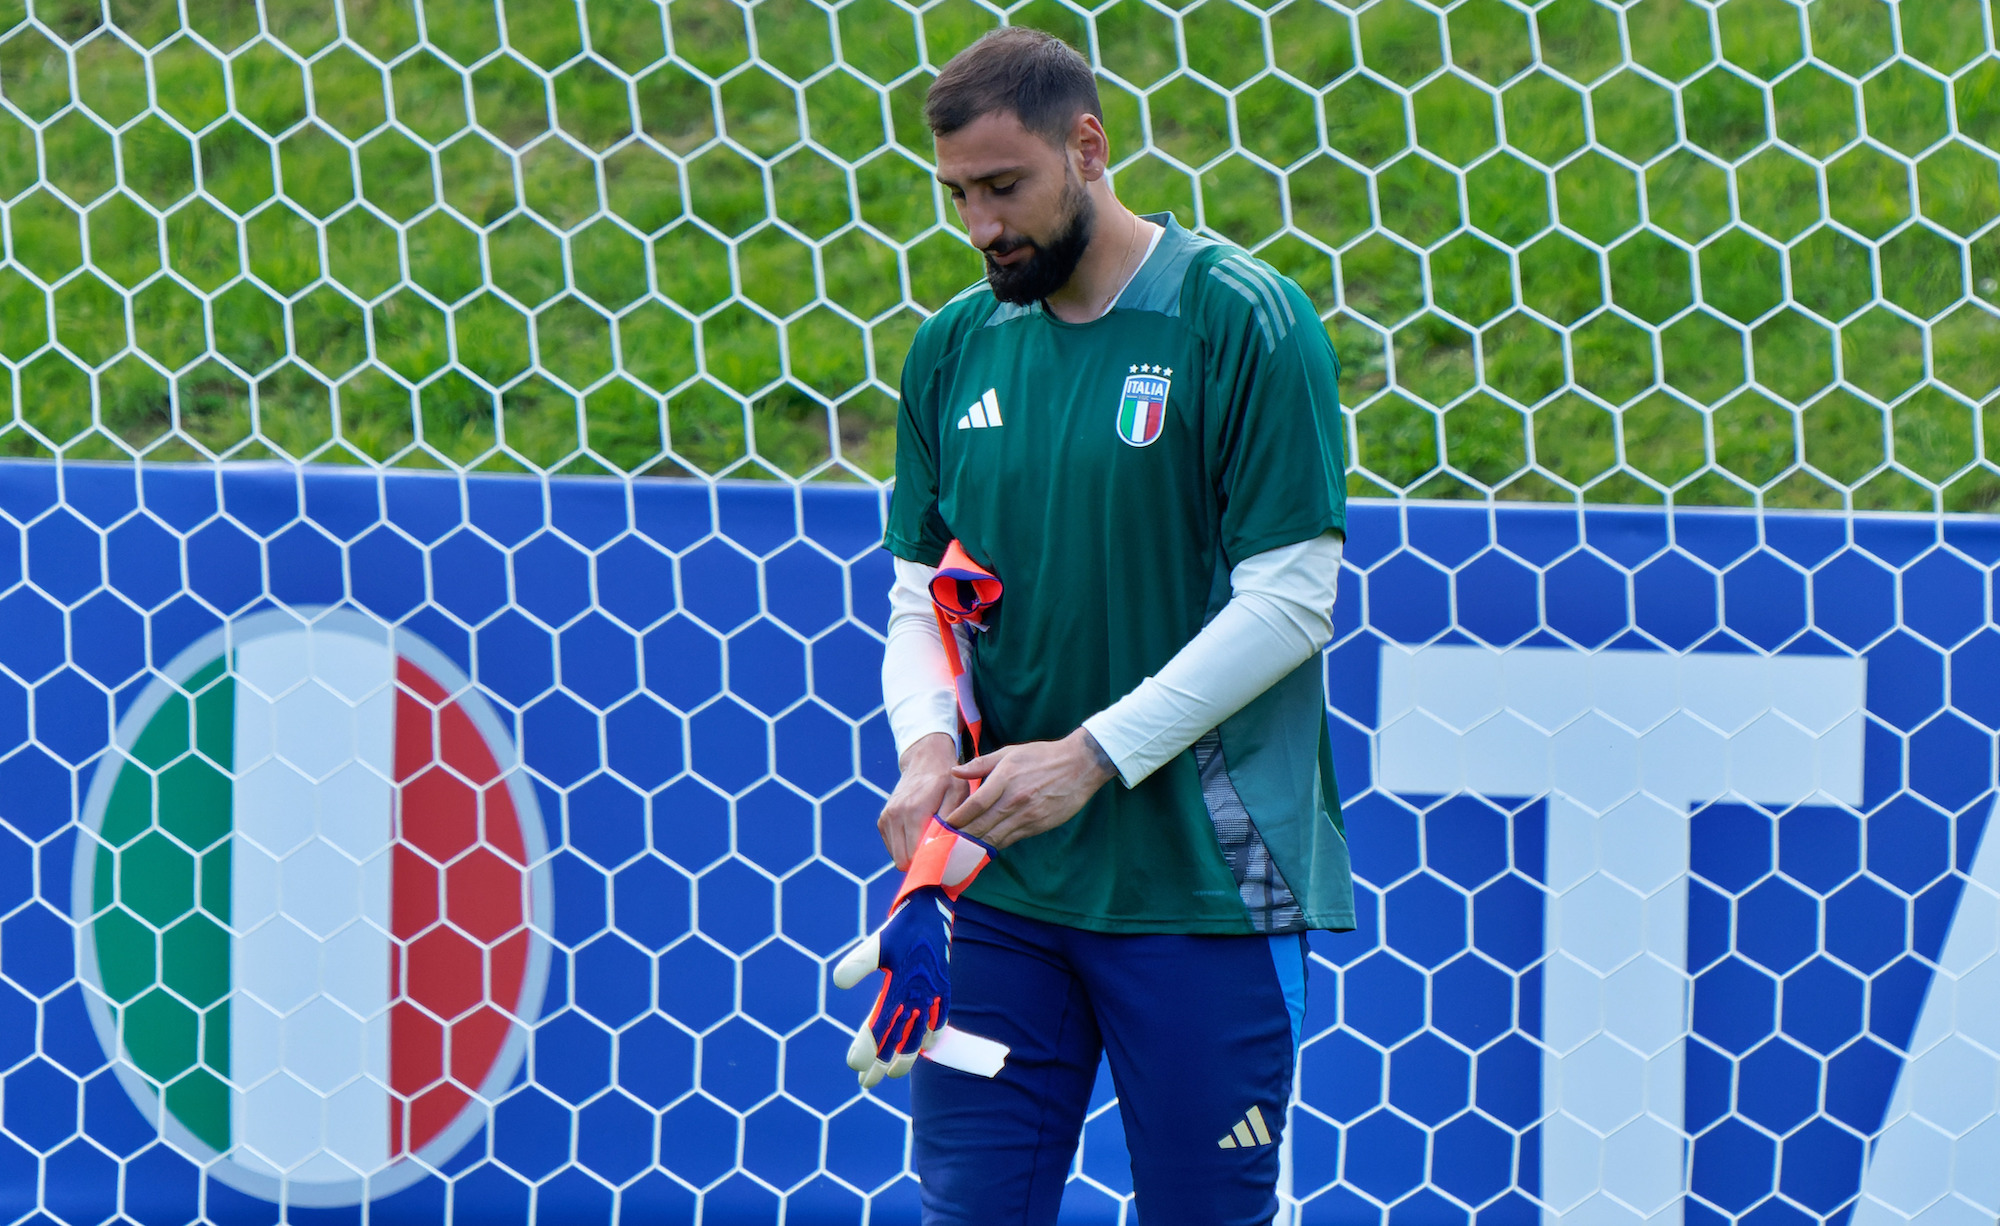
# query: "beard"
{"type": "Point", "coordinates": [1049, 268]}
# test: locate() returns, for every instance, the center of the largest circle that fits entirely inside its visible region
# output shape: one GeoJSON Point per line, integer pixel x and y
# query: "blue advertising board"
{"type": "Point", "coordinates": [404, 846]}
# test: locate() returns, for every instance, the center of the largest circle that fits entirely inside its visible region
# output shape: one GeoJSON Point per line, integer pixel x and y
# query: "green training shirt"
{"type": "Point", "coordinates": [1111, 474]}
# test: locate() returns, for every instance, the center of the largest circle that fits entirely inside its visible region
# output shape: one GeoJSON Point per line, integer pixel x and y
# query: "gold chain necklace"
{"type": "Point", "coordinates": [1125, 277]}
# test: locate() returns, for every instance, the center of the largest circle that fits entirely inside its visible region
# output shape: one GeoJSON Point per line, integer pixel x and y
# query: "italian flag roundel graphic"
{"type": "Point", "coordinates": [311, 895]}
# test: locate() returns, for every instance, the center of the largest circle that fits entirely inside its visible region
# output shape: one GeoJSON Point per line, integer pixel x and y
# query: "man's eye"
{"type": "Point", "coordinates": [1005, 189]}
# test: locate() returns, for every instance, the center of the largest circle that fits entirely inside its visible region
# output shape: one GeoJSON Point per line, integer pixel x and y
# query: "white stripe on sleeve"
{"type": "Point", "coordinates": [1257, 306]}
{"type": "Point", "coordinates": [1273, 293]}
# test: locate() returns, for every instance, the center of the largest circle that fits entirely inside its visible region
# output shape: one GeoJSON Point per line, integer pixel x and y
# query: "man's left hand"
{"type": "Point", "coordinates": [1030, 788]}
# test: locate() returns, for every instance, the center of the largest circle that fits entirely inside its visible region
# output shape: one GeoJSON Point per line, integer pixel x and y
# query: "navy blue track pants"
{"type": "Point", "coordinates": [1201, 1034]}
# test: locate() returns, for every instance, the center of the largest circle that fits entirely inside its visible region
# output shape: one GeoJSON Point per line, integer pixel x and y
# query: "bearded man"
{"type": "Point", "coordinates": [1125, 448]}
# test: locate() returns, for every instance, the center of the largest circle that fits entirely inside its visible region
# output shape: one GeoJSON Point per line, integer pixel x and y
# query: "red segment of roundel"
{"type": "Point", "coordinates": [458, 910]}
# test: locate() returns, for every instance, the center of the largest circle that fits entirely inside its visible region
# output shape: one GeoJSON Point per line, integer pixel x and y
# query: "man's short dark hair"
{"type": "Point", "coordinates": [1036, 76]}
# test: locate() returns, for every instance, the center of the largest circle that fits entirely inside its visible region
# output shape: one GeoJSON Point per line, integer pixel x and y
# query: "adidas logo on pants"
{"type": "Point", "coordinates": [1249, 1131]}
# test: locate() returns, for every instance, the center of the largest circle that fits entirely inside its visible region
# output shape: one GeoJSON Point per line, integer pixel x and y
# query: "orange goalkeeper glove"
{"type": "Point", "coordinates": [913, 948]}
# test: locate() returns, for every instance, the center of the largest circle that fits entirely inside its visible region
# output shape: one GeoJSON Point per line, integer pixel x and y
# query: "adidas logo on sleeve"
{"type": "Point", "coordinates": [984, 413]}
{"type": "Point", "coordinates": [1248, 1133]}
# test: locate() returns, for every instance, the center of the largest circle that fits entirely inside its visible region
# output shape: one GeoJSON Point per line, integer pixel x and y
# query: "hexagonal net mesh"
{"type": "Point", "coordinates": [413, 848]}
{"type": "Point", "coordinates": [1670, 253]}
{"type": "Point", "coordinates": [1730, 254]}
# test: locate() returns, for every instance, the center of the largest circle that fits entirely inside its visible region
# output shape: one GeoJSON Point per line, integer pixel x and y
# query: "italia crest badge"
{"type": "Point", "coordinates": [1142, 409]}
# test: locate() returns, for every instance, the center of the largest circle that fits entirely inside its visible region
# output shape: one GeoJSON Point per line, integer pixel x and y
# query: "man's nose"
{"type": "Point", "coordinates": [982, 227]}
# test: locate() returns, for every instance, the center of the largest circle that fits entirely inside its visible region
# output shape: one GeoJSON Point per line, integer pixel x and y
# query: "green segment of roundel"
{"type": "Point", "coordinates": [161, 901]}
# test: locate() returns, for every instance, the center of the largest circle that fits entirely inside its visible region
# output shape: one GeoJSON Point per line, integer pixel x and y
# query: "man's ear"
{"type": "Point", "coordinates": [1091, 147]}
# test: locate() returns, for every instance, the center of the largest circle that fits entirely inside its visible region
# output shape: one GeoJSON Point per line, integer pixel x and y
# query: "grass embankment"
{"type": "Point", "coordinates": [450, 237]}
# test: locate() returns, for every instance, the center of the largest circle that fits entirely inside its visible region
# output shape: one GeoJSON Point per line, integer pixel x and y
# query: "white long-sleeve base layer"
{"type": "Point", "coordinates": [1279, 615]}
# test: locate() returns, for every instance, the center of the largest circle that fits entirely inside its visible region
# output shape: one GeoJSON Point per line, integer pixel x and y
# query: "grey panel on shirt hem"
{"type": "Point", "coordinates": [1274, 911]}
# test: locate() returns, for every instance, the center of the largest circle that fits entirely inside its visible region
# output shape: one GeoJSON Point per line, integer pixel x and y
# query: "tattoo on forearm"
{"type": "Point", "coordinates": [1097, 753]}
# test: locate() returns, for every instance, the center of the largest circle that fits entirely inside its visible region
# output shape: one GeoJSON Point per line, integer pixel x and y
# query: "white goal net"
{"type": "Point", "coordinates": [1670, 255]}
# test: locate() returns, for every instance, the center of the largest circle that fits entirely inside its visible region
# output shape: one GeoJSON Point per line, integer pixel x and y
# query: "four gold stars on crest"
{"type": "Point", "coordinates": [1143, 369]}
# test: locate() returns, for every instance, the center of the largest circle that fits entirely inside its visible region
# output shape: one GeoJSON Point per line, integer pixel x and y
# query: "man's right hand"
{"type": "Point", "coordinates": [927, 788]}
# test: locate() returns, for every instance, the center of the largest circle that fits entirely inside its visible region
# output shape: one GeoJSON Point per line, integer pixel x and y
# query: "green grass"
{"type": "Point", "coordinates": [1756, 263]}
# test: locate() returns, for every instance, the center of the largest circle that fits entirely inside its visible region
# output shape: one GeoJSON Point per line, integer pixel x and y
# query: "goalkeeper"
{"type": "Point", "coordinates": [1135, 431]}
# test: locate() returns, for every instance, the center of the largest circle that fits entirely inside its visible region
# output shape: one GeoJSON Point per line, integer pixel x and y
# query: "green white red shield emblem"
{"type": "Point", "coordinates": [312, 892]}
{"type": "Point", "coordinates": [1142, 409]}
